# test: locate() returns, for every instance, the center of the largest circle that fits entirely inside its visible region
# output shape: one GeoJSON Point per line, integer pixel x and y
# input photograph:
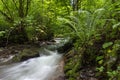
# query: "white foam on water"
{"type": "Point", "coordinates": [41, 68]}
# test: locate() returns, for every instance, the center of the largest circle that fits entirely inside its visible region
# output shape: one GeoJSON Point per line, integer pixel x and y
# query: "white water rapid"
{"type": "Point", "coordinates": [41, 68]}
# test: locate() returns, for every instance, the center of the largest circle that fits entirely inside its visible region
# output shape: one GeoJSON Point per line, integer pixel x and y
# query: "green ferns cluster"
{"type": "Point", "coordinates": [73, 65]}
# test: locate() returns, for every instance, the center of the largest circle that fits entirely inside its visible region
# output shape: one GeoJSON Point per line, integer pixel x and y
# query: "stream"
{"type": "Point", "coordinates": [46, 67]}
{"type": "Point", "coordinates": [41, 68]}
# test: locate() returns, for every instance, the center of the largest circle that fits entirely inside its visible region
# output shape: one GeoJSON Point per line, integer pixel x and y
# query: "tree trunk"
{"type": "Point", "coordinates": [21, 9]}
{"type": "Point", "coordinates": [75, 5]}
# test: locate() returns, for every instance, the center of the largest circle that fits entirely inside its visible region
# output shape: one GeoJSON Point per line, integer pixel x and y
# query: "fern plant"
{"type": "Point", "coordinates": [85, 25]}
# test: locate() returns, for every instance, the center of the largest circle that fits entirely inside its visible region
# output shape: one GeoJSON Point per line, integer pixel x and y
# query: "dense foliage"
{"type": "Point", "coordinates": [95, 24]}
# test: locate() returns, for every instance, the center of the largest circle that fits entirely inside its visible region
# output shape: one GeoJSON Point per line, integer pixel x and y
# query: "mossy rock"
{"type": "Point", "coordinates": [70, 73]}
{"type": "Point", "coordinates": [26, 54]}
{"type": "Point", "coordinates": [71, 78]}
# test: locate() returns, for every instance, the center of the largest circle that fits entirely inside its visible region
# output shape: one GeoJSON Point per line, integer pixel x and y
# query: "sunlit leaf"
{"type": "Point", "coordinates": [116, 25]}
{"type": "Point", "coordinates": [105, 45]}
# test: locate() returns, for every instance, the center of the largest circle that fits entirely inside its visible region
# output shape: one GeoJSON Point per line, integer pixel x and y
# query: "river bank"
{"type": "Point", "coordinates": [22, 55]}
{"type": "Point", "coordinates": [23, 51]}
{"type": "Point", "coordinates": [45, 67]}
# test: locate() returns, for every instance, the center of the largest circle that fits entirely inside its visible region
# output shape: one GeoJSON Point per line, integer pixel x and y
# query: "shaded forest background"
{"type": "Point", "coordinates": [94, 24]}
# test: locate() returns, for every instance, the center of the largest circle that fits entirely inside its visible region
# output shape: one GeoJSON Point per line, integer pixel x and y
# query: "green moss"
{"type": "Point", "coordinates": [73, 72]}
{"type": "Point", "coordinates": [69, 65]}
{"type": "Point", "coordinates": [72, 75]}
{"type": "Point", "coordinates": [25, 54]}
{"type": "Point", "coordinates": [71, 78]}
{"type": "Point", "coordinates": [72, 66]}
{"type": "Point", "coordinates": [16, 59]}
{"type": "Point", "coordinates": [76, 67]}
{"type": "Point", "coordinates": [70, 72]}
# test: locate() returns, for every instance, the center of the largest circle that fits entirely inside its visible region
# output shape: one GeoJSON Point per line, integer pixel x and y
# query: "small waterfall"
{"type": "Point", "coordinates": [41, 68]}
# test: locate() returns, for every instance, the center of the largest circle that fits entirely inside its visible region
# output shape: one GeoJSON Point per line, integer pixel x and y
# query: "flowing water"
{"type": "Point", "coordinates": [41, 68]}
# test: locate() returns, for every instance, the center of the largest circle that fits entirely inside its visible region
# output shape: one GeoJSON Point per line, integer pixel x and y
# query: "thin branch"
{"type": "Point", "coordinates": [27, 6]}
{"type": "Point", "coordinates": [9, 19]}
{"type": "Point", "coordinates": [7, 8]}
{"type": "Point", "coordinates": [15, 4]}
{"type": "Point", "coordinates": [21, 9]}
{"type": "Point", "coordinates": [8, 36]}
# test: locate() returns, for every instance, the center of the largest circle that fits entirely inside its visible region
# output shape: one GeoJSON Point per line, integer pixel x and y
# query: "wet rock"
{"type": "Point", "coordinates": [88, 74]}
{"type": "Point", "coordinates": [3, 60]}
{"type": "Point", "coordinates": [26, 54]}
{"type": "Point", "coordinates": [4, 55]}
{"type": "Point", "coordinates": [17, 53]}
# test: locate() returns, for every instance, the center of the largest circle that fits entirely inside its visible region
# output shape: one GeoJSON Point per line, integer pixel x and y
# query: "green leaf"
{"type": "Point", "coordinates": [2, 33]}
{"type": "Point", "coordinates": [105, 45]}
{"type": "Point", "coordinates": [116, 25]}
{"type": "Point", "coordinates": [71, 25]}
{"type": "Point", "coordinates": [100, 62]}
{"type": "Point", "coordinates": [99, 58]}
{"type": "Point", "coordinates": [118, 67]}
{"type": "Point", "coordinates": [100, 69]}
